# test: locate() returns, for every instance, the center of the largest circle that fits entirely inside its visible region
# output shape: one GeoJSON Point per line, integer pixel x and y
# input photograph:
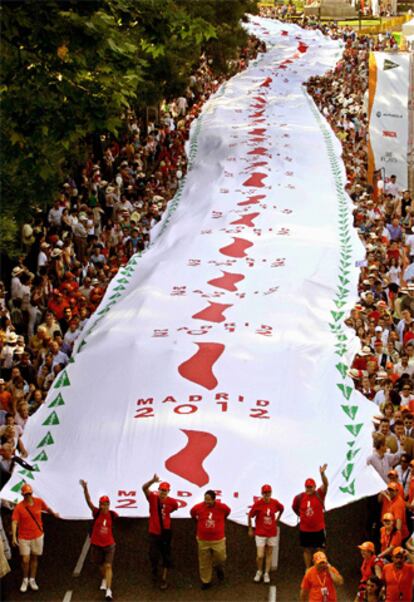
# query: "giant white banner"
{"type": "Point", "coordinates": [389, 86]}
{"type": "Point", "coordinates": [219, 358]}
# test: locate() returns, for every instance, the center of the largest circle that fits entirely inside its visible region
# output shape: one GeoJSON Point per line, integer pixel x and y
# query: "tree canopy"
{"type": "Point", "coordinates": [71, 68]}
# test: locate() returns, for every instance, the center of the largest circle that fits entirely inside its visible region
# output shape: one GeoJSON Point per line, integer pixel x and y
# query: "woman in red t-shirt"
{"type": "Point", "coordinates": [266, 511]}
{"type": "Point", "coordinates": [102, 539]}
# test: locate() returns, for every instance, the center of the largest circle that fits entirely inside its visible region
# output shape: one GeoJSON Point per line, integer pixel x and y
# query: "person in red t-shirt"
{"type": "Point", "coordinates": [318, 584]}
{"type": "Point", "coordinates": [399, 578]}
{"type": "Point", "coordinates": [27, 532]}
{"type": "Point", "coordinates": [309, 507]}
{"type": "Point", "coordinates": [266, 511]}
{"type": "Point", "coordinates": [102, 539]}
{"type": "Point", "coordinates": [160, 508]}
{"type": "Point", "coordinates": [210, 516]}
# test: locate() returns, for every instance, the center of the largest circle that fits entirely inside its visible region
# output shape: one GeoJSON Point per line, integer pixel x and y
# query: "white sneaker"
{"type": "Point", "coordinates": [33, 584]}
{"type": "Point", "coordinates": [258, 576]}
{"type": "Point", "coordinates": [24, 585]}
{"type": "Point", "coordinates": [266, 578]}
{"type": "Point", "coordinates": [103, 584]}
{"type": "Point", "coordinates": [108, 595]}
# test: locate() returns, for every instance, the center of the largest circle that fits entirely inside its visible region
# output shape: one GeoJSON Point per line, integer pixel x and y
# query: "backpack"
{"type": "Point", "coordinates": [298, 499]}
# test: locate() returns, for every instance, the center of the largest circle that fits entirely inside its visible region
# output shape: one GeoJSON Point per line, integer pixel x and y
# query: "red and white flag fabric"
{"type": "Point", "coordinates": [219, 358]}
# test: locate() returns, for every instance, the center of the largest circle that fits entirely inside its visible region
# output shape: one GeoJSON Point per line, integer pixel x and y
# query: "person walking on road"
{"type": "Point", "coordinates": [28, 534]}
{"type": "Point", "coordinates": [267, 512]}
{"type": "Point", "coordinates": [102, 538]}
{"type": "Point", "coordinates": [320, 581]}
{"type": "Point", "coordinates": [160, 508]}
{"type": "Point", "coordinates": [210, 516]}
{"type": "Point", "coordinates": [310, 508]}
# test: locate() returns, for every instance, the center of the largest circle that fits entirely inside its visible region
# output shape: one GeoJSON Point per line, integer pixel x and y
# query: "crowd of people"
{"type": "Point", "coordinates": [105, 213]}
{"type": "Point", "coordinates": [382, 318]}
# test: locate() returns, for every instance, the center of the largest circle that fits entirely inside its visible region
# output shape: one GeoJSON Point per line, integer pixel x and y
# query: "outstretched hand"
{"type": "Point", "coordinates": [322, 469]}
{"type": "Point", "coordinates": [83, 483]}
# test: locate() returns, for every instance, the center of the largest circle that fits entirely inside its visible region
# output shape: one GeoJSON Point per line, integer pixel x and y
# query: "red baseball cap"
{"type": "Point", "coordinates": [26, 488]}
{"type": "Point", "coordinates": [104, 499]}
{"type": "Point", "coordinates": [310, 483]}
{"type": "Point", "coordinates": [164, 486]}
{"type": "Point", "coordinates": [266, 488]}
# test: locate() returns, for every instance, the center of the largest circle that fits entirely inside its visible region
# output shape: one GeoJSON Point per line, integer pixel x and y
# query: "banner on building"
{"type": "Point", "coordinates": [389, 93]}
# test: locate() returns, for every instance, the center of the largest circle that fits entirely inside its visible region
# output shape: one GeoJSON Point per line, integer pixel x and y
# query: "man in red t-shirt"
{"type": "Point", "coordinates": [398, 577]}
{"type": "Point", "coordinates": [309, 506]}
{"type": "Point", "coordinates": [266, 511]}
{"type": "Point", "coordinates": [160, 508]}
{"type": "Point", "coordinates": [102, 539]}
{"type": "Point", "coordinates": [27, 532]}
{"type": "Point", "coordinates": [210, 516]}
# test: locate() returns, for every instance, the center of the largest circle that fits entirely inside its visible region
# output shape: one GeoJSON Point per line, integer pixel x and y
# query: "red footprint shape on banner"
{"type": "Point", "coordinates": [284, 32]}
{"type": "Point", "coordinates": [266, 83]}
{"type": "Point", "coordinates": [257, 132]}
{"type": "Point", "coordinates": [255, 180]}
{"type": "Point", "coordinates": [213, 313]}
{"type": "Point", "coordinates": [188, 462]}
{"type": "Point", "coordinates": [257, 139]}
{"type": "Point", "coordinates": [246, 220]}
{"type": "Point", "coordinates": [282, 67]}
{"type": "Point", "coordinates": [252, 200]}
{"type": "Point", "coordinates": [199, 368]}
{"type": "Point", "coordinates": [259, 150]}
{"type": "Point", "coordinates": [236, 248]}
{"type": "Point", "coordinates": [302, 47]}
{"type": "Point", "coordinates": [227, 281]}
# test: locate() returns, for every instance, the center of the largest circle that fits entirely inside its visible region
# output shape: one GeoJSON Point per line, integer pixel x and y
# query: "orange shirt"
{"type": "Point", "coordinates": [397, 508]}
{"type": "Point", "coordinates": [398, 582]}
{"type": "Point", "coordinates": [389, 539]}
{"type": "Point", "coordinates": [314, 581]}
{"type": "Point", "coordinates": [27, 527]}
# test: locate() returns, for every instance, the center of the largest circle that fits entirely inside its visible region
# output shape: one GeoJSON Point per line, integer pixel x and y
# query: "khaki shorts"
{"type": "Point", "coordinates": [261, 542]}
{"type": "Point", "coordinates": [31, 546]}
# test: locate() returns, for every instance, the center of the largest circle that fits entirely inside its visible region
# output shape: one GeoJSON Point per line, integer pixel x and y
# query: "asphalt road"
{"type": "Point", "coordinates": [64, 541]}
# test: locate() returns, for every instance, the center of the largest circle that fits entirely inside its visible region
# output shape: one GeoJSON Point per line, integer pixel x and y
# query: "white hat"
{"type": "Point", "coordinates": [378, 329]}
{"type": "Point", "coordinates": [11, 337]}
{"type": "Point", "coordinates": [365, 351]}
{"type": "Point", "coordinates": [17, 270]}
{"type": "Point", "coordinates": [56, 253]}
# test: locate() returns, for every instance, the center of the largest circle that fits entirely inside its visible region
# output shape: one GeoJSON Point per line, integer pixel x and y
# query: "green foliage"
{"type": "Point", "coordinates": [9, 230]}
{"type": "Point", "coordinates": [70, 68]}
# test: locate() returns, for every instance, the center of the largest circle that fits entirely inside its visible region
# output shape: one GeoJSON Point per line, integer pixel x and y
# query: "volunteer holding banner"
{"type": "Point", "coordinates": [28, 534]}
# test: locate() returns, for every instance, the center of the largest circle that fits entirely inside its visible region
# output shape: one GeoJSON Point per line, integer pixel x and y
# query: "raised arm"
{"type": "Point", "coordinates": [147, 485]}
{"type": "Point", "coordinates": [84, 486]}
{"type": "Point", "coordinates": [325, 482]}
